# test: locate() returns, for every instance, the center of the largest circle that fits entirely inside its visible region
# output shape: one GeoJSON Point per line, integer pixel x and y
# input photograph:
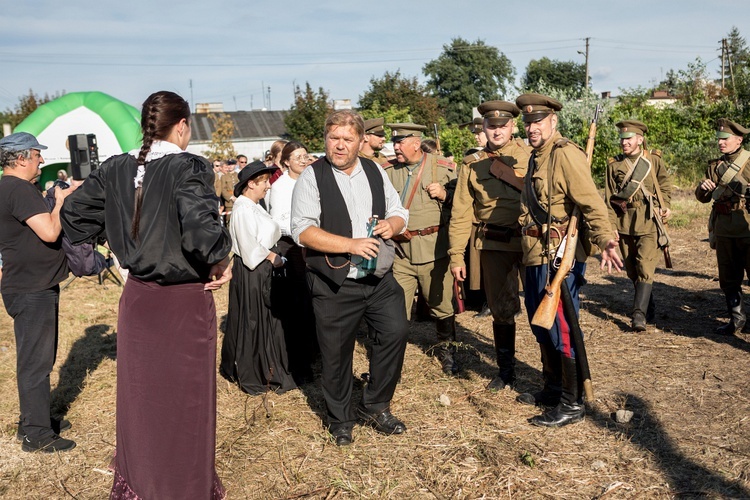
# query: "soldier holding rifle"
{"type": "Point", "coordinates": [638, 191]}
{"type": "Point", "coordinates": [727, 185]}
{"type": "Point", "coordinates": [558, 185]}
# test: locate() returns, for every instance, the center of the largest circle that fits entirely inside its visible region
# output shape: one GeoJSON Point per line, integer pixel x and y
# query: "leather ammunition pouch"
{"type": "Point", "coordinates": [498, 233]}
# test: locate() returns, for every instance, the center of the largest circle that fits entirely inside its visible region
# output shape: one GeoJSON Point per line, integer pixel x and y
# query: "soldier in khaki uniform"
{"type": "Point", "coordinates": [637, 183]}
{"type": "Point", "coordinates": [489, 189]}
{"type": "Point", "coordinates": [425, 182]}
{"type": "Point", "coordinates": [557, 181]}
{"type": "Point", "coordinates": [374, 141]}
{"type": "Point", "coordinates": [727, 185]}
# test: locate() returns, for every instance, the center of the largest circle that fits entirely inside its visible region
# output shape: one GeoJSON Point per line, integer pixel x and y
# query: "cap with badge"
{"type": "Point", "coordinates": [474, 126]}
{"type": "Point", "coordinates": [726, 128]}
{"type": "Point", "coordinates": [20, 141]}
{"type": "Point", "coordinates": [374, 126]}
{"type": "Point", "coordinates": [628, 128]}
{"type": "Point", "coordinates": [536, 107]}
{"type": "Point", "coordinates": [246, 174]}
{"type": "Point", "coordinates": [400, 131]}
{"type": "Point", "coordinates": [498, 112]}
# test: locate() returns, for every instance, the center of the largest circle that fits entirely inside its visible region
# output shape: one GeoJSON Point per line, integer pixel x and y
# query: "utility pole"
{"type": "Point", "coordinates": [269, 98]}
{"type": "Point", "coordinates": [723, 60]}
{"type": "Point", "coordinates": [586, 54]}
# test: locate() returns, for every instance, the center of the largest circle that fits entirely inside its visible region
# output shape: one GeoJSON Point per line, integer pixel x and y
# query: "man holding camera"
{"type": "Point", "coordinates": [34, 265]}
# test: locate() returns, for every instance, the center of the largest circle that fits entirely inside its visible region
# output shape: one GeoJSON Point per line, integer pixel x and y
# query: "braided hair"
{"type": "Point", "coordinates": [161, 111]}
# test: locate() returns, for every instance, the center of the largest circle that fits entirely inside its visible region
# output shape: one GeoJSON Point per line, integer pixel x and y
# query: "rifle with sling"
{"type": "Point", "coordinates": [555, 290]}
{"type": "Point", "coordinates": [547, 310]}
{"type": "Point", "coordinates": [662, 237]}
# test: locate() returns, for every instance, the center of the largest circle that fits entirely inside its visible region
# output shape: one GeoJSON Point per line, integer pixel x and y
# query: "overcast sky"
{"type": "Point", "coordinates": [233, 50]}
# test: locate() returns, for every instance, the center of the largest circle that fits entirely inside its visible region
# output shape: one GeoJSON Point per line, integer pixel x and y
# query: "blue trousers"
{"type": "Point", "coordinates": [35, 324]}
{"type": "Point", "coordinates": [559, 334]}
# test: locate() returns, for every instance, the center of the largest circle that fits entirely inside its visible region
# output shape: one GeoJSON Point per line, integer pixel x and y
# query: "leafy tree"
{"type": "Point", "coordinates": [456, 140]}
{"type": "Point", "coordinates": [394, 91]}
{"type": "Point", "coordinates": [563, 75]}
{"type": "Point", "coordinates": [221, 146]}
{"type": "Point", "coordinates": [739, 54]}
{"type": "Point", "coordinates": [466, 74]}
{"type": "Point", "coordinates": [307, 117]}
{"type": "Point", "coordinates": [27, 104]}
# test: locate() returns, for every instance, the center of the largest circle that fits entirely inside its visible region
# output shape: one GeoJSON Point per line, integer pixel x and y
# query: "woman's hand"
{"type": "Point", "coordinates": [219, 274]}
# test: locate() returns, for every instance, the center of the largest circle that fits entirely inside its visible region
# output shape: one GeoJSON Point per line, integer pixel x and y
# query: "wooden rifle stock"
{"type": "Point", "coordinates": [546, 313]}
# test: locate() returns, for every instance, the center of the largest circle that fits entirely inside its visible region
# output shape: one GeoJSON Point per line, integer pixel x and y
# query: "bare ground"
{"type": "Point", "coordinates": [687, 387]}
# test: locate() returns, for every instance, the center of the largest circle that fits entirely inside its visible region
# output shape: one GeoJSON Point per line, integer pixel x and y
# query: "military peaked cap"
{"type": "Point", "coordinates": [400, 131]}
{"type": "Point", "coordinates": [629, 128]}
{"type": "Point", "coordinates": [498, 112]}
{"type": "Point", "coordinates": [374, 126]}
{"type": "Point", "coordinates": [535, 107]}
{"type": "Point", "coordinates": [726, 127]}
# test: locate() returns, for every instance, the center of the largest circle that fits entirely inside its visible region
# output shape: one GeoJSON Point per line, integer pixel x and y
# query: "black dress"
{"type": "Point", "coordinates": [254, 353]}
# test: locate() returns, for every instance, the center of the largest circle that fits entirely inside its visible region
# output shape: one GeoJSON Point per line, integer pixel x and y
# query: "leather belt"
{"type": "Point", "coordinates": [726, 207]}
{"type": "Point", "coordinates": [536, 232]}
{"type": "Point", "coordinates": [424, 231]}
{"type": "Point", "coordinates": [498, 233]}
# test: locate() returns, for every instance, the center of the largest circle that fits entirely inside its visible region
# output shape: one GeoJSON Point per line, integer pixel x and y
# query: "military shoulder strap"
{"type": "Point", "coordinates": [474, 157]}
{"type": "Point", "coordinates": [732, 171]}
{"type": "Point", "coordinates": [506, 174]}
{"type": "Point", "coordinates": [633, 180]}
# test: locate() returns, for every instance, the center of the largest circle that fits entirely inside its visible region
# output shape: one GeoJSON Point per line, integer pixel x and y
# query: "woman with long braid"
{"type": "Point", "coordinates": [158, 209]}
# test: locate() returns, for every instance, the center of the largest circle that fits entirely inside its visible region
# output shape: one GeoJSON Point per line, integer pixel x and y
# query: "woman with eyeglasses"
{"type": "Point", "coordinates": [290, 290]}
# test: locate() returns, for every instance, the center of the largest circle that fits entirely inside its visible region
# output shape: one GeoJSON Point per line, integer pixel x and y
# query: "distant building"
{"type": "Point", "coordinates": [661, 99]}
{"type": "Point", "coordinates": [254, 131]}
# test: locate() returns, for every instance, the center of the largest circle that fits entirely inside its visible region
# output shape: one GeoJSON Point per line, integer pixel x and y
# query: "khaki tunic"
{"type": "Point", "coordinates": [377, 157]}
{"type": "Point", "coordinates": [638, 235]}
{"type": "Point", "coordinates": [481, 196]}
{"type": "Point", "coordinates": [426, 259]}
{"type": "Point", "coordinates": [424, 211]}
{"type": "Point", "coordinates": [571, 185]}
{"type": "Point", "coordinates": [737, 223]}
{"type": "Point", "coordinates": [731, 230]}
{"type": "Point", "coordinates": [228, 182]}
{"type": "Point", "coordinates": [217, 183]}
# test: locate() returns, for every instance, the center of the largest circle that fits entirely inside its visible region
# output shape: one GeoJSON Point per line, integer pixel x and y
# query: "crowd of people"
{"type": "Point", "coordinates": [312, 247]}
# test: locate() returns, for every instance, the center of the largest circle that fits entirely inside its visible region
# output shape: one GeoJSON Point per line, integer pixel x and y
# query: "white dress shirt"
{"type": "Point", "coordinates": [253, 232]}
{"type": "Point", "coordinates": [279, 200]}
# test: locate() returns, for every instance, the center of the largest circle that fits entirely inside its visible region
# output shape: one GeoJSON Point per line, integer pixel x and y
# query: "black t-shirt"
{"type": "Point", "coordinates": [29, 264]}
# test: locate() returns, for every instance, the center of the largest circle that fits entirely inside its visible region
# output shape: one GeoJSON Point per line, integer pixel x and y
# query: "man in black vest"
{"type": "Point", "coordinates": [332, 205]}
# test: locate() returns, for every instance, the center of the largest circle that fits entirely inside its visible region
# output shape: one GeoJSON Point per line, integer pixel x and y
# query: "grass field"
{"type": "Point", "coordinates": [688, 390]}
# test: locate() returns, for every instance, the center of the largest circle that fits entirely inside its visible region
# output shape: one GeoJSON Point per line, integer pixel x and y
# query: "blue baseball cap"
{"type": "Point", "coordinates": [20, 141]}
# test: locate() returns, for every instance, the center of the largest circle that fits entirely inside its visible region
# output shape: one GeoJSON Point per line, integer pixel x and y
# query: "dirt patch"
{"type": "Point", "coordinates": [688, 390]}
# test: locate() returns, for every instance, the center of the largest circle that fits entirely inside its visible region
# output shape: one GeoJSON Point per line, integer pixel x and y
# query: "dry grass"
{"type": "Point", "coordinates": [687, 387]}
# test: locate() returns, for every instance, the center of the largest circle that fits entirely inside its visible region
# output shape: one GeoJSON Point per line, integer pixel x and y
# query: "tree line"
{"type": "Point", "coordinates": [467, 73]}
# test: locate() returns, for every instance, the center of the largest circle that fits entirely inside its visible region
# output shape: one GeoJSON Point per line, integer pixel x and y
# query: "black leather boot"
{"type": "Point", "coordinates": [446, 333]}
{"type": "Point", "coordinates": [551, 372]}
{"type": "Point", "coordinates": [736, 315]}
{"type": "Point", "coordinates": [505, 349]}
{"type": "Point", "coordinates": [570, 409]}
{"type": "Point", "coordinates": [651, 311]}
{"type": "Point", "coordinates": [640, 306]}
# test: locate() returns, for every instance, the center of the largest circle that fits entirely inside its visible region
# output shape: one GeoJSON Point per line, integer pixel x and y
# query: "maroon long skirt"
{"type": "Point", "coordinates": [166, 393]}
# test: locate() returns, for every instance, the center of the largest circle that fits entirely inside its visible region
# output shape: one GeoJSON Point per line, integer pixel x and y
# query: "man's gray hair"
{"type": "Point", "coordinates": [8, 158]}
